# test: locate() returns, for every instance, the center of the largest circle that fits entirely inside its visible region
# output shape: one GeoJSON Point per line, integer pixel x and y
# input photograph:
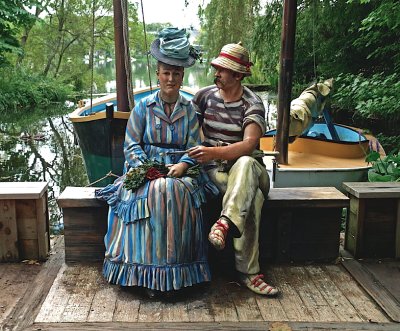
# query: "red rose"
{"type": "Point", "coordinates": [153, 173]}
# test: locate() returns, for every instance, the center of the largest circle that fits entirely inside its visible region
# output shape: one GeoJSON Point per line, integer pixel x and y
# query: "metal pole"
{"type": "Point", "coordinates": [285, 78]}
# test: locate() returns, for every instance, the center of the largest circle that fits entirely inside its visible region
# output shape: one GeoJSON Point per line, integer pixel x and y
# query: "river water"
{"type": "Point", "coordinates": [45, 149]}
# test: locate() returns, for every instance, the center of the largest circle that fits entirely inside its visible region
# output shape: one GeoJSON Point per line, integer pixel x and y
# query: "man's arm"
{"type": "Point", "coordinates": [251, 139]}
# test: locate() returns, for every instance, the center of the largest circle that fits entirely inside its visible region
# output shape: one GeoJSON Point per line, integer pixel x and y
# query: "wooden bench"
{"type": "Point", "coordinates": [299, 224]}
{"type": "Point", "coordinates": [302, 224]}
{"type": "Point", "coordinates": [24, 221]}
{"type": "Point", "coordinates": [373, 222]}
{"type": "Point", "coordinates": [85, 224]}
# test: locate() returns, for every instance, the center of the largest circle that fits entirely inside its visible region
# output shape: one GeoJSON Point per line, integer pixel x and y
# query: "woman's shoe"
{"type": "Point", "coordinates": [257, 284]}
{"type": "Point", "coordinates": [218, 232]}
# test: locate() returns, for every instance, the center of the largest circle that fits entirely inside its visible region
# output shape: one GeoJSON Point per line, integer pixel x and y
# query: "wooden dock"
{"type": "Point", "coordinates": [56, 296]}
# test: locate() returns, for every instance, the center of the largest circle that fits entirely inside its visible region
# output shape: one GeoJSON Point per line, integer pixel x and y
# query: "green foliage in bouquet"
{"type": "Point", "coordinates": [150, 170]}
{"type": "Point", "coordinates": [384, 169]}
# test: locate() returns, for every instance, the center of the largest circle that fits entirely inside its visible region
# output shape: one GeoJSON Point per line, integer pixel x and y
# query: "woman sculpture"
{"type": "Point", "coordinates": [156, 235]}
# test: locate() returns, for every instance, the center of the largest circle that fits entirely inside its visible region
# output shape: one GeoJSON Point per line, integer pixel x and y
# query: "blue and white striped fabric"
{"type": "Point", "coordinates": [156, 236]}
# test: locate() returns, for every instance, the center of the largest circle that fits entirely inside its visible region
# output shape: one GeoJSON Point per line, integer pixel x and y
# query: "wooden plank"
{"type": "Point", "coordinates": [305, 197]}
{"type": "Point", "coordinates": [27, 227]}
{"type": "Point", "coordinates": [28, 249]}
{"type": "Point", "coordinates": [359, 244]}
{"type": "Point", "coordinates": [212, 326]}
{"type": "Point", "coordinates": [271, 308]}
{"type": "Point", "coordinates": [199, 308]}
{"type": "Point", "coordinates": [78, 306]}
{"type": "Point", "coordinates": [103, 304]}
{"type": "Point", "coordinates": [58, 296]}
{"type": "Point", "coordinates": [397, 254]}
{"type": "Point", "coordinates": [388, 274]}
{"type": "Point", "coordinates": [42, 228]}
{"type": "Point", "coordinates": [150, 311]}
{"type": "Point", "coordinates": [127, 306]}
{"type": "Point", "coordinates": [245, 302]}
{"type": "Point", "coordinates": [222, 306]}
{"type": "Point", "coordinates": [174, 311]}
{"type": "Point", "coordinates": [344, 310]}
{"type": "Point", "coordinates": [373, 287]}
{"type": "Point", "coordinates": [79, 197]}
{"type": "Point", "coordinates": [311, 296]}
{"type": "Point", "coordinates": [292, 303]}
{"type": "Point", "coordinates": [28, 307]}
{"type": "Point", "coordinates": [8, 231]}
{"type": "Point", "coordinates": [84, 230]}
{"type": "Point", "coordinates": [366, 309]}
{"type": "Point", "coordinates": [22, 190]}
{"type": "Point", "coordinates": [371, 190]}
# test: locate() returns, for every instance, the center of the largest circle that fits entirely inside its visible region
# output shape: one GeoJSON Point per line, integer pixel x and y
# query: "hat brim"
{"type": "Point", "coordinates": [155, 51]}
{"type": "Point", "coordinates": [226, 63]}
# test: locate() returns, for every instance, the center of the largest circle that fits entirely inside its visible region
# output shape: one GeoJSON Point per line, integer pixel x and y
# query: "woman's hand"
{"type": "Point", "coordinates": [177, 170]}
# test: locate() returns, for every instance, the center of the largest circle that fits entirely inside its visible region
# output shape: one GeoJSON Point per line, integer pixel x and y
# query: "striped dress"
{"type": "Point", "coordinates": [156, 235]}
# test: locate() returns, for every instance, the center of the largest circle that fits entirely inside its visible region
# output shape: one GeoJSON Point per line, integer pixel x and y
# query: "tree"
{"type": "Point", "coordinates": [13, 16]}
{"type": "Point", "coordinates": [379, 30]}
{"type": "Point", "coordinates": [227, 21]}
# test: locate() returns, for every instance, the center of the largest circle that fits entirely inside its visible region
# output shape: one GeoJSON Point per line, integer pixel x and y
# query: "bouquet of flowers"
{"type": "Point", "coordinates": [151, 170]}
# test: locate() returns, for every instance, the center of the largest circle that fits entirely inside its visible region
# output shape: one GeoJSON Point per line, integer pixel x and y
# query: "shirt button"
{"type": "Point", "coordinates": [171, 127]}
{"type": "Point", "coordinates": [158, 126]}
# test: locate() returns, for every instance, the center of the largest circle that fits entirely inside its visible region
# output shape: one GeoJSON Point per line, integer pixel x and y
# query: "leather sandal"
{"type": "Point", "coordinates": [257, 284]}
{"type": "Point", "coordinates": [218, 234]}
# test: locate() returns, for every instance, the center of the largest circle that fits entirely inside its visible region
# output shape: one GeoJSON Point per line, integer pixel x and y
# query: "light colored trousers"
{"type": "Point", "coordinates": [244, 187]}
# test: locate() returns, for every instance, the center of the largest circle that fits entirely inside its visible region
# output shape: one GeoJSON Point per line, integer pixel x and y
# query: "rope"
{"type": "Point", "coordinates": [92, 56]}
{"type": "Point", "coordinates": [109, 174]}
{"type": "Point", "coordinates": [128, 68]}
{"type": "Point", "coordinates": [145, 45]}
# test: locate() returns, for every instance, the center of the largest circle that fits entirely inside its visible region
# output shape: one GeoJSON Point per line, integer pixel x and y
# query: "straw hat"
{"type": "Point", "coordinates": [172, 47]}
{"type": "Point", "coordinates": [234, 57]}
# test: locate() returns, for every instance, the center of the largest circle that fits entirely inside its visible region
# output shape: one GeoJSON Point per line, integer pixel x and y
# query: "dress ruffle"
{"type": "Point", "coordinates": [132, 206]}
{"type": "Point", "coordinates": [161, 278]}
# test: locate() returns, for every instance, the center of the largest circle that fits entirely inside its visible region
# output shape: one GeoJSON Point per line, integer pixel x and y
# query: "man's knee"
{"type": "Point", "coordinates": [245, 161]}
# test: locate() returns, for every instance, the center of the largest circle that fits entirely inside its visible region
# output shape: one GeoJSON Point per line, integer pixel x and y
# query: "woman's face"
{"type": "Point", "coordinates": [170, 77]}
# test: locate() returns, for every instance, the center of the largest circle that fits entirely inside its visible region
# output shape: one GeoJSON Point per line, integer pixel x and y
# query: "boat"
{"type": "Point", "coordinates": [316, 159]}
{"type": "Point", "coordinates": [100, 129]}
{"type": "Point", "coordinates": [320, 152]}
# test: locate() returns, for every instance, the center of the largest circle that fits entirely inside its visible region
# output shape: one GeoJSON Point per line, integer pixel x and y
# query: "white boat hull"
{"type": "Point", "coordinates": [316, 177]}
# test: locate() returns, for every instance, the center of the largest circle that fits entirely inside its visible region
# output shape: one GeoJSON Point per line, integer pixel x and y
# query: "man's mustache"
{"type": "Point", "coordinates": [216, 80]}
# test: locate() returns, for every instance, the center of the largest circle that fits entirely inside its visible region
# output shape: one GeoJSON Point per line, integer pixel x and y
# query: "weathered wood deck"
{"type": "Point", "coordinates": [55, 296]}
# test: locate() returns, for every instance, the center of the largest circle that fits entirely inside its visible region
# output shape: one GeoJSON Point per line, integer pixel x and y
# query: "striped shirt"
{"type": "Point", "coordinates": [224, 122]}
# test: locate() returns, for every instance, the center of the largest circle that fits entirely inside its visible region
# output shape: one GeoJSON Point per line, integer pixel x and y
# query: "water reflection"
{"type": "Point", "coordinates": [56, 159]}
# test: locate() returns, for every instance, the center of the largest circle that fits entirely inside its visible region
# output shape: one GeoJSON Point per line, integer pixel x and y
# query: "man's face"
{"type": "Point", "coordinates": [224, 78]}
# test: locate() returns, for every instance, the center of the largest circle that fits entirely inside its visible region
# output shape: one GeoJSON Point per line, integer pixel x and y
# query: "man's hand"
{"type": "Point", "coordinates": [177, 170]}
{"type": "Point", "coordinates": [202, 154]}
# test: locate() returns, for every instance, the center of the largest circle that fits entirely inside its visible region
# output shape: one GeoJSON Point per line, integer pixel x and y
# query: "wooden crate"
{"type": "Point", "coordinates": [373, 222]}
{"type": "Point", "coordinates": [24, 221]}
{"type": "Point", "coordinates": [302, 224]}
{"type": "Point", "coordinates": [85, 224]}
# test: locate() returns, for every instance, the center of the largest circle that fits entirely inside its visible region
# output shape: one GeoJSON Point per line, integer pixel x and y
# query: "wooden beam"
{"type": "Point", "coordinates": [285, 78]}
